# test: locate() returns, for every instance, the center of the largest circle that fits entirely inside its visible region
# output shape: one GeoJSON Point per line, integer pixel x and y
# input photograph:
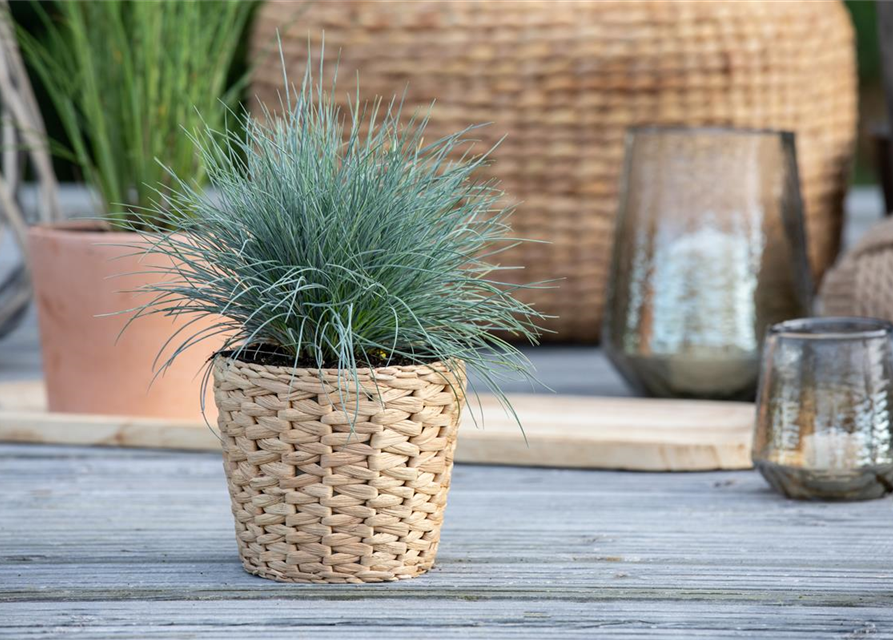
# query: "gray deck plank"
{"type": "Point", "coordinates": [114, 543]}
{"type": "Point", "coordinates": [395, 618]}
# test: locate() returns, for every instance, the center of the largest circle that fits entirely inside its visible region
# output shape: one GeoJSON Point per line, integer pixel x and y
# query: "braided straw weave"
{"type": "Point", "coordinates": [861, 283]}
{"type": "Point", "coordinates": [565, 79]}
{"type": "Point", "coordinates": [314, 502]}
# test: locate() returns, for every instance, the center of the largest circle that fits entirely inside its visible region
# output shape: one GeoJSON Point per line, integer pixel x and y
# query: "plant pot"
{"type": "Point", "coordinates": [317, 500]}
{"type": "Point", "coordinates": [74, 267]}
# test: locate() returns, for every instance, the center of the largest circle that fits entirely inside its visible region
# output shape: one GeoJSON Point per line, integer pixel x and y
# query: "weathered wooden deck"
{"type": "Point", "coordinates": [104, 543]}
{"type": "Point", "coordinates": [113, 543]}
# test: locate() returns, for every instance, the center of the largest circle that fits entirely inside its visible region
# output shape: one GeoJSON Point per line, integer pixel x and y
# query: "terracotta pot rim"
{"type": "Point", "coordinates": [87, 230]}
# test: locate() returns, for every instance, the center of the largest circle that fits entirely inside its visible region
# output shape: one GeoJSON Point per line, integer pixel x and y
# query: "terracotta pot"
{"type": "Point", "coordinates": [74, 268]}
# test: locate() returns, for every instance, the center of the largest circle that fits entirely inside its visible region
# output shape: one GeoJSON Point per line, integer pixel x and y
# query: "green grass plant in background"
{"type": "Point", "coordinates": [125, 78]}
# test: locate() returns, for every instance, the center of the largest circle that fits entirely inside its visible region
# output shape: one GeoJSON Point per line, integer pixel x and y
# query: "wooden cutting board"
{"type": "Point", "coordinates": [562, 431]}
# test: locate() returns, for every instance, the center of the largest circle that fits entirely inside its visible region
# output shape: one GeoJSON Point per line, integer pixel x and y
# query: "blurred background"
{"type": "Point", "coordinates": [565, 139]}
{"type": "Point", "coordinates": [871, 91]}
{"type": "Point", "coordinates": [863, 14]}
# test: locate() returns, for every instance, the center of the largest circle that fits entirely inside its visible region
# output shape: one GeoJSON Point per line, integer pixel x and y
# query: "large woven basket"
{"type": "Point", "coordinates": [316, 500]}
{"type": "Point", "coordinates": [564, 80]}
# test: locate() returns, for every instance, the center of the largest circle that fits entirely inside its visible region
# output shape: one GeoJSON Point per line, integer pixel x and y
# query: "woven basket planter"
{"type": "Point", "coordinates": [564, 80]}
{"type": "Point", "coordinates": [314, 502]}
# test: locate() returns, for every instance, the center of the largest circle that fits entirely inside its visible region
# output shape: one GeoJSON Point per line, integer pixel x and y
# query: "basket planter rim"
{"type": "Point", "coordinates": [436, 366]}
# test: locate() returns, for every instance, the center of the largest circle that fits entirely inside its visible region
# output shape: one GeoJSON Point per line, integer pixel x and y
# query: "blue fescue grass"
{"type": "Point", "coordinates": [343, 239]}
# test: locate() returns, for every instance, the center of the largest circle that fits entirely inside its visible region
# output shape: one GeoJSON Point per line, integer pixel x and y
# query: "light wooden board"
{"type": "Point", "coordinates": [129, 543]}
{"type": "Point", "coordinates": [562, 431]}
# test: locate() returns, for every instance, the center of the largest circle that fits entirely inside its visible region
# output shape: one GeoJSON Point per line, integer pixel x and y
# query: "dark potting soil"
{"type": "Point", "coordinates": [274, 356]}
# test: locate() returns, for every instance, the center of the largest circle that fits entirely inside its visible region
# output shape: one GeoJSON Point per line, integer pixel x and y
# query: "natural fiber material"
{"type": "Point", "coordinates": [317, 499]}
{"type": "Point", "coordinates": [564, 80]}
{"type": "Point", "coordinates": [23, 137]}
{"type": "Point", "coordinates": [861, 283]}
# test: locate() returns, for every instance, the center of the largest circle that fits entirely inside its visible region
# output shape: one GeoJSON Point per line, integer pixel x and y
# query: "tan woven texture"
{"type": "Point", "coordinates": [314, 502]}
{"type": "Point", "coordinates": [861, 283]}
{"type": "Point", "coordinates": [564, 80]}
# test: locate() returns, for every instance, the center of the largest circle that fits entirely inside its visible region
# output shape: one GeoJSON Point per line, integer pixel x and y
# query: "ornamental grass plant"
{"type": "Point", "coordinates": [340, 240]}
{"type": "Point", "coordinates": [124, 77]}
{"type": "Point", "coordinates": [350, 267]}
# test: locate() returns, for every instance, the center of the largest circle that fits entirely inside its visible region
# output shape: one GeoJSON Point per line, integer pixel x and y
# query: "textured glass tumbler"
{"type": "Point", "coordinates": [709, 251]}
{"type": "Point", "coordinates": [824, 409]}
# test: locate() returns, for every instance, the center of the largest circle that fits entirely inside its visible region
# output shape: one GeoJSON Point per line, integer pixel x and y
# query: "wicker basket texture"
{"type": "Point", "coordinates": [329, 489]}
{"type": "Point", "coordinates": [861, 283]}
{"type": "Point", "coordinates": [564, 80]}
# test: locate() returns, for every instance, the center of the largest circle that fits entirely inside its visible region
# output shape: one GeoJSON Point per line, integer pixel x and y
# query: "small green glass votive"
{"type": "Point", "coordinates": [824, 409]}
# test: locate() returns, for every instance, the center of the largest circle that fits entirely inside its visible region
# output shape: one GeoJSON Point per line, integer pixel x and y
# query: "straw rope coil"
{"type": "Point", "coordinates": [314, 500]}
{"type": "Point", "coordinates": [564, 80]}
{"type": "Point", "coordinates": [861, 283]}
